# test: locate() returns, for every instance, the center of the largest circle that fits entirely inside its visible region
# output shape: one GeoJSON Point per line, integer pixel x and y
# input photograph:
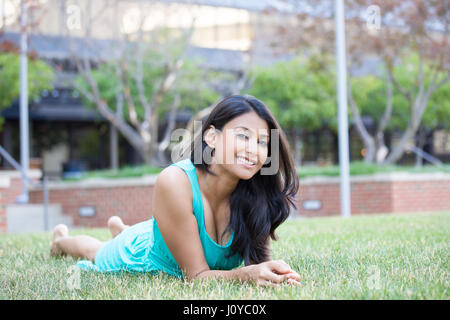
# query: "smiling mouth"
{"type": "Point", "coordinates": [243, 160]}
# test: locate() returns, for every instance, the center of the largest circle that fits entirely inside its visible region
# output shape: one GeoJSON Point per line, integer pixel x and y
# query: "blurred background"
{"type": "Point", "coordinates": [110, 80]}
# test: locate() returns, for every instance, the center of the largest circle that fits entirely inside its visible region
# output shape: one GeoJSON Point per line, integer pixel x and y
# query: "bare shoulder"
{"type": "Point", "coordinates": [172, 176]}
{"type": "Point", "coordinates": [172, 188]}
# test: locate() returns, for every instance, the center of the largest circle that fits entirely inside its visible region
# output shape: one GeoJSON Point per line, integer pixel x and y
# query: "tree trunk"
{"type": "Point", "coordinates": [417, 107]}
{"type": "Point", "coordinates": [420, 143]}
{"type": "Point", "coordinates": [382, 149]}
{"type": "Point", "coordinates": [150, 157]}
{"type": "Point", "coordinates": [399, 149]}
{"type": "Point", "coordinates": [368, 140]}
{"type": "Point", "coordinates": [113, 148]}
{"type": "Point", "coordinates": [369, 145]}
{"type": "Point", "coordinates": [295, 145]}
{"type": "Point", "coordinates": [298, 150]}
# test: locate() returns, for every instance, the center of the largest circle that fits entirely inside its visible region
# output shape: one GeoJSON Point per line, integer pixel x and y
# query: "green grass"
{"type": "Point", "coordinates": [124, 172]}
{"type": "Point", "coordinates": [364, 257]}
{"type": "Point", "coordinates": [360, 168]}
{"type": "Point", "coordinates": [356, 168]}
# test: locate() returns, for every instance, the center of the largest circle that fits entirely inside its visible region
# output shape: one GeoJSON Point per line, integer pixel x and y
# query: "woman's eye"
{"type": "Point", "coordinates": [242, 135]}
{"type": "Point", "coordinates": [264, 143]}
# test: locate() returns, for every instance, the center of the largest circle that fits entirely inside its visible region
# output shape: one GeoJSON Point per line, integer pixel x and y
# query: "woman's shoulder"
{"type": "Point", "coordinates": [173, 195]}
{"type": "Point", "coordinates": [174, 180]}
{"type": "Point", "coordinates": [172, 174]}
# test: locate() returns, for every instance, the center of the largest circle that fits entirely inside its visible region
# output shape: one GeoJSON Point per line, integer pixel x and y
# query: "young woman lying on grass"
{"type": "Point", "coordinates": [208, 216]}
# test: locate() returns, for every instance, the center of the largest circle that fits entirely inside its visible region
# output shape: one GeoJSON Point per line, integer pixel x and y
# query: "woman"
{"type": "Point", "coordinates": [210, 212]}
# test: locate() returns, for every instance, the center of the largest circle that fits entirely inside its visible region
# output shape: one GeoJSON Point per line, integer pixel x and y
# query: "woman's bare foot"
{"type": "Point", "coordinates": [59, 232]}
{"type": "Point", "coordinates": [116, 225]}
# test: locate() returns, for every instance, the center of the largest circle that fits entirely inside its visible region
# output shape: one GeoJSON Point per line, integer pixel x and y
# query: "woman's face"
{"type": "Point", "coordinates": [242, 146]}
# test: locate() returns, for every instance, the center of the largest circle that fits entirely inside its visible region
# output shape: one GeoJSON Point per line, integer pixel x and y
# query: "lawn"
{"type": "Point", "coordinates": [363, 257]}
{"type": "Point", "coordinates": [356, 168]}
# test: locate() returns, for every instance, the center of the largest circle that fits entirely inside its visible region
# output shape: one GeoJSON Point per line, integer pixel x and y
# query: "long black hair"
{"type": "Point", "coordinates": [260, 204]}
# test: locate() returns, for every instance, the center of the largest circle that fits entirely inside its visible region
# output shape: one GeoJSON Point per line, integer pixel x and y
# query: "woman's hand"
{"type": "Point", "coordinates": [271, 273]}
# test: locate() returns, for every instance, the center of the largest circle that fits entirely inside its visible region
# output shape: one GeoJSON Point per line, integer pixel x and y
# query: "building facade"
{"type": "Point", "coordinates": [228, 35]}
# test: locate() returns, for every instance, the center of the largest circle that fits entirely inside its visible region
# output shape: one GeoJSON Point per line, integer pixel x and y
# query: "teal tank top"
{"type": "Point", "coordinates": [141, 247]}
{"type": "Point", "coordinates": [215, 254]}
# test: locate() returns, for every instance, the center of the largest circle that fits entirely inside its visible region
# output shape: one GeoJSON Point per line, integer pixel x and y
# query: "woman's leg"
{"type": "Point", "coordinates": [116, 225]}
{"type": "Point", "coordinates": [82, 246]}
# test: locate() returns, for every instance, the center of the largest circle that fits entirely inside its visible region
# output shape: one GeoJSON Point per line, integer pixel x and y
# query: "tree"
{"type": "Point", "coordinates": [40, 77]}
{"type": "Point", "coordinates": [299, 92]}
{"type": "Point", "coordinates": [40, 74]}
{"type": "Point", "coordinates": [190, 89]}
{"type": "Point", "coordinates": [146, 76]}
{"type": "Point", "coordinates": [414, 34]}
{"type": "Point", "coordinates": [371, 96]}
{"type": "Point", "coordinates": [390, 31]}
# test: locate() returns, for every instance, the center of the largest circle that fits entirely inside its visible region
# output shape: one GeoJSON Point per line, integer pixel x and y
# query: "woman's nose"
{"type": "Point", "coordinates": [252, 146]}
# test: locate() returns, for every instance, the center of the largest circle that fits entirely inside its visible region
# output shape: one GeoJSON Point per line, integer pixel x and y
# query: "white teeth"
{"type": "Point", "coordinates": [245, 161]}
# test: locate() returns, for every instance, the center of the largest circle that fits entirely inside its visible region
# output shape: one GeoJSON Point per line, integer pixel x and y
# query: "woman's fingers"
{"type": "Point", "coordinates": [266, 283]}
{"type": "Point", "coordinates": [291, 278]}
{"type": "Point", "coordinates": [294, 275]}
{"type": "Point", "coordinates": [269, 275]}
{"type": "Point", "coordinates": [273, 280]}
{"type": "Point", "coordinates": [279, 266]}
{"type": "Point", "coordinates": [279, 278]}
{"type": "Point", "coordinates": [294, 282]}
{"type": "Point", "coordinates": [274, 272]}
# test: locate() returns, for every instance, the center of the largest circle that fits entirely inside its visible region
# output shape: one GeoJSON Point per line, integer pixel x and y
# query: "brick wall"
{"type": "Point", "coordinates": [5, 183]}
{"type": "Point", "coordinates": [421, 196]}
{"type": "Point", "coordinates": [379, 193]}
{"type": "Point", "coordinates": [366, 197]}
{"type": "Point", "coordinates": [132, 198]}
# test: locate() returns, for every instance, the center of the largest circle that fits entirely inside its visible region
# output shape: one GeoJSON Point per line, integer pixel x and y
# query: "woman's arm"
{"type": "Point", "coordinates": [265, 273]}
{"type": "Point", "coordinates": [172, 209]}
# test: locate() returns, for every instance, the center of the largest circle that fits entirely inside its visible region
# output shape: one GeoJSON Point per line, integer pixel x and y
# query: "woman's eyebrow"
{"type": "Point", "coordinates": [245, 128]}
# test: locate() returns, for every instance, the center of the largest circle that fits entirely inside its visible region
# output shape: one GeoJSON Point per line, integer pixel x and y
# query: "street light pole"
{"type": "Point", "coordinates": [342, 108]}
{"type": "Point", "coordinates": [24, 136]}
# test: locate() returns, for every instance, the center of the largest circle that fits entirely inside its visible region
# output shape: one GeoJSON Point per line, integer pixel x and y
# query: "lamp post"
{"type": "Point", "coordinates": [342, 108]}
{"type": "Point", "coordinates": [24, 136]}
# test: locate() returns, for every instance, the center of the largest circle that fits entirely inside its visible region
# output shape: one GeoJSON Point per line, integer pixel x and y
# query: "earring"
{"type": "Point", "coordinates": [213, 155]}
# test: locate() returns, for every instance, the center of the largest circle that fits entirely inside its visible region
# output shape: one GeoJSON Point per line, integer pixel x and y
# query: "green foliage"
{"type": "Point", "coordinates": [40, 77]}
{"type": "Point", "coordinates": [124, 172]}
{"type": "Point", "coordinates": [193, 87]}
{"type": "Point", "coordinates": [438, 109]}
{"type": "Point", "coordinates": [363, 168]}
{"type": "Point", "coordinates": [191, 84]}
{"type": "Point", "coordinates": [369, 93]}
{"type": "Point", "coordinates": [300, 93]}
{"type": "Point", "coordinates": [356, 168]}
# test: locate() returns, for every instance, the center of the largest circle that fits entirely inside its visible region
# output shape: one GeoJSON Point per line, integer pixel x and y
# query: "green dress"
{"type": "Point", "coordinates": [141, 247]}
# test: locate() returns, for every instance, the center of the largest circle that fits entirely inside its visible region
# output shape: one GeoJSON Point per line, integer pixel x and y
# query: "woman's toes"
{"type": "Point", "coordinates": [59, 231]}
{"type": "Point", "coordinates": [115, 225]}
{"type": "Point", "coordinates": [114, 222]}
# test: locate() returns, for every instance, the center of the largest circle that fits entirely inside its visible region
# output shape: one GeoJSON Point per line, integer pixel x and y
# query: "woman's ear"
{"type": "Point", "coordinates": [211, 137]}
